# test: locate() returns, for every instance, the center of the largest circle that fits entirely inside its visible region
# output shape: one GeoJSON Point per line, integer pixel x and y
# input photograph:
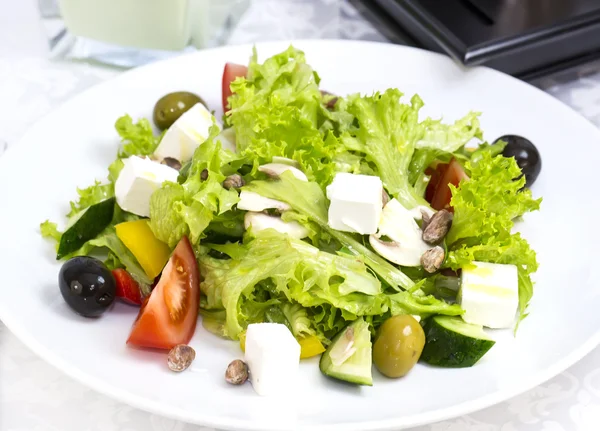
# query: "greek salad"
{"type": "Point", "coordinates": [305, 224]}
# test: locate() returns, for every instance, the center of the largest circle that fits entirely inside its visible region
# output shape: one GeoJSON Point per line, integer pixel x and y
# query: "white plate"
{"type": "Point", "coordinates": [75, 144]}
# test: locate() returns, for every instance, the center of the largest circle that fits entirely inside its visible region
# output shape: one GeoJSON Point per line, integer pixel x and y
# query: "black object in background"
{"type": "Point", "coordinates": [525, 38]}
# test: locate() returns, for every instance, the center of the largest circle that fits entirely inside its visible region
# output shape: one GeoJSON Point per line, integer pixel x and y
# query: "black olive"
{"type": "Point", "coordinates": [87, 286]}
{"type": "Point", "coordinates": [525, 153]}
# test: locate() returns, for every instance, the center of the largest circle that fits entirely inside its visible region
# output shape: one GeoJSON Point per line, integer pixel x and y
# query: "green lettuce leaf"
{"type": "Point", "coordinates": [137, 139]}
{"type": "Point", "coordinates": [189, 208]}
{"type": "Point", "coordinates": [275, 112]}
{"type": "Point", "coordinates": [90, 196]}
{"type": "Point", "coordinates": [485, 208]}
{"type": "Point", "coordinates": [114, 170]}
{"type": "Point", "coordinates": [450, 138]}
{"type": "Point", "coordinates": [307, 199]}
{"type": "Point", "coordinates": [272, 269]}
{"type": "Point", "coordinates": [293, 271]}
{"type": "Point", "coordinates": [299, 320]}
{"type": "Point", "coordinates": [386, 134]}
{"type": "Point", "coordinates": [488, 203]}
{"type": "Point", "coordinates": [50, 230]}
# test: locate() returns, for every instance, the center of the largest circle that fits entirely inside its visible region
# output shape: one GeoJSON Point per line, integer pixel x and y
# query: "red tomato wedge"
{"type": "Point", "coordinates": [127, 288]}
{"type": "Point", "coordinates": [452, 173]}
{"type": "Point", "coordinates": [168, 316]}
{"type": "Point", "coordinates": [435, 175]}
{"type": "Point", "coordinates": [230, 72]}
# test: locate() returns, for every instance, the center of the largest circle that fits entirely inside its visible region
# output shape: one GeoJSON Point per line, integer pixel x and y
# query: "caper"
{"type": "Point", "coordinates": [234, 181]}
{"type": "Point", "coordinates": [437, 227]}
{"type": "Point", "coordinates": [172, 106]}
{"type": "Point", "coordinates": [172, 163]}
{"type": "Point", "coordinates": [237, 372]}
{"type": "Point", "coordinates": [180, 357]}
{"type": "Point", "coordinates": [398, 345]}
{"type": "Point", "coordinates": [432, 259]}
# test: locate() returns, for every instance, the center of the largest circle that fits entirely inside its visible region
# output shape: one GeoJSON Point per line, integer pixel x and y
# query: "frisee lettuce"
{"type": "Point", "coordinates": [388, 135]}
{"type": "Point", "coordinates": [485, 208]}
{"type": "Point", "coordinates": [307, 199]}
{"type": "Point", "coordinates": [187, 209]}
{"type": "Point", "coordinates": [137, 139]}
{"type": "Point", "coordinates": [275, 112]}
{"type": "Point", "coordinates": [271, 268]}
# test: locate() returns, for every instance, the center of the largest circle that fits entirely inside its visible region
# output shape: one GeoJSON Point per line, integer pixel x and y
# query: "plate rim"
{"type": "Point", "coordinates": [221, 422]}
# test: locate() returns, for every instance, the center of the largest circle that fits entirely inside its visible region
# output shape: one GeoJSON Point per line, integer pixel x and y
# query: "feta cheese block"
{"type": "Point", "coordinates": [186, 134]}
{"type": "Point", "coordinates": [273, 357]}
{"type": "Point", "coordinates": [356, 202]}
{"type": "Point", "coordinates": [489, 294]}
{"type": "Point", "coordinates": [138, 179]}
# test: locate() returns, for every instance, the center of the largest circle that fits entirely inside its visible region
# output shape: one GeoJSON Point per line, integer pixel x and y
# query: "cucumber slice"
{"type": "Point", "coordinates": [349, 357]}
{"type": "Point", "coordinates": [453, 343]}
{"type": "Point", "coordinates": [93, 221]}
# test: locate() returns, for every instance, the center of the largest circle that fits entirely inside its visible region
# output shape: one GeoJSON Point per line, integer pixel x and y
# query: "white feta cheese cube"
{"type": "Point", "coordinates": [356, 202]}
{"type": "Point", "coordinates": [489, 294]}
{"type": "Point", "coordinates": [138, 179]}
{"type": "Point", "coordinates": [186, 134]}
{"type": "Point", "coordinates": [273, 357]}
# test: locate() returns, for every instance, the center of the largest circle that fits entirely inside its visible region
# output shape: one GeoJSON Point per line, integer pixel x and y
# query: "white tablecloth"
{"type": "Point", "coordinates": [36, 397]}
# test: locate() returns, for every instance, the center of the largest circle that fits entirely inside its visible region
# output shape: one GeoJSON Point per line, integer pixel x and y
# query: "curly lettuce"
{"type": "Point", "coordinates": [275, 112]}
{"type": "Point", "coordinates": [187, 209]}
{"type": "Point", "coordinates": [308, 200]}
{"type": "Point", "coordinates": [271, 268]}
{"type": "Point", "coordinates": [137, 139]}
{"type": "Point", "coordinates": [485, 208]}
{"type": "Point", "coordinates": [388, 135]}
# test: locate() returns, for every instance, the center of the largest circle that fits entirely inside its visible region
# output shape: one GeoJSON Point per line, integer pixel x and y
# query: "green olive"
{"type": "Point", "coordinates": [398, 346]}
{"type": "Point", "coordinates": [171, 106]}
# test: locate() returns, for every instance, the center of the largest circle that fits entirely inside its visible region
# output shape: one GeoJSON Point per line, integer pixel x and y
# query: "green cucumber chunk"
{"type": "Point", "coordinates": [93, 221]}
{"type": "Point", "coordinates": [451, 342]}
{"type": "Point", "coordinates": [349, 357]}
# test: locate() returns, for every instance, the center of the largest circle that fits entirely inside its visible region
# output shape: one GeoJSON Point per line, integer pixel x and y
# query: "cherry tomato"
{"type": "Point", "coordinates": [168, 316]}
{"type": "Point", "coordinates": [230, 72]}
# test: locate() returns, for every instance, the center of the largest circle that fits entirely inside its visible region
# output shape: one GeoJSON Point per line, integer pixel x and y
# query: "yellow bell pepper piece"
{"type": "Point", "coordinates": [310, 346]}
{"type": "Point", "coordinates": [151, 253]}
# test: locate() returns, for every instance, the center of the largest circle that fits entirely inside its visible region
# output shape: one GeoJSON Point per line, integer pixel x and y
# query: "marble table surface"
{"type": "Point", "coordinates": [34, 396]}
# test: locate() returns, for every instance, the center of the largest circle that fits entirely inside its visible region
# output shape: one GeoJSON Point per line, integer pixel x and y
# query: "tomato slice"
{"type": "Point", "coordinates": [168, 316]}
{"type": "Point", "coordinates": [230, 72]}
{"type": "Point", "coordinates": [452, 174]}
{"type": "Point", "coordinates": [127, 288]}
{"type": "Point", "coordinates": [436, 175]}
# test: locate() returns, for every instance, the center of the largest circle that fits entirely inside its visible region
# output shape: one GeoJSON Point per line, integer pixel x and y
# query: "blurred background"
{"type": "Point", "coordinates": [52, 49]}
